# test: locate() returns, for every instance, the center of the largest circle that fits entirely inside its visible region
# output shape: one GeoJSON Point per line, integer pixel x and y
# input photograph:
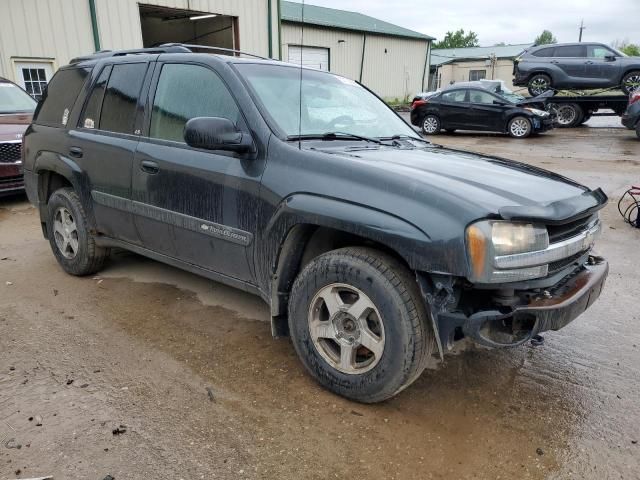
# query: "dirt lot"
{"type": "Point", "coordinates": [140, 345]}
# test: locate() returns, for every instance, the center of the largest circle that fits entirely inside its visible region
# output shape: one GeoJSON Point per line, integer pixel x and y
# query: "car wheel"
{"type": "Point", "coordinates": [538, 84]}
{"type": "Point", "coordinates": [520, 127]}
{"type": "Point", "coordinates": [568, 114]}
{"type": "Point", "coordinates": [69, 237]}
{"type": "Point", "coordinates": [359, 324]}
{"type": "Point", "coordinates": [431, 124]}
{"type": "Point", "coordinates": [631, 82]}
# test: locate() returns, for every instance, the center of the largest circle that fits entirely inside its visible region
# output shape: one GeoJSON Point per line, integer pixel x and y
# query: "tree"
{"type": "Point", "coordinates": [458, 39]}
{"type": "Point", "coordinates": [631, 49]}
{"type": "Point", "coordinates": [544, 38]}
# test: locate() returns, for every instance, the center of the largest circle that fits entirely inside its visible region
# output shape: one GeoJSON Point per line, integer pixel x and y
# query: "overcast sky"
{"type": "Point", "coordinates": [506, 21]}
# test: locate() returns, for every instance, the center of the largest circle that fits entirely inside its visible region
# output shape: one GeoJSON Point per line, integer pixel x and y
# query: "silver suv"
{"type": "Point", "coordinates": [576, 65]}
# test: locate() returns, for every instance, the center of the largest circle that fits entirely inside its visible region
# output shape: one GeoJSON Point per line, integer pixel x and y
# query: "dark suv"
{"type": "Point", "coordinates": [374, 248]}
{"type": "Point", "coordinates": [576, 66]}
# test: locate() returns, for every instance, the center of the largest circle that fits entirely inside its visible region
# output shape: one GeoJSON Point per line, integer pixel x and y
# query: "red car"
{"type": "Point", "coordinates": [16, 111]}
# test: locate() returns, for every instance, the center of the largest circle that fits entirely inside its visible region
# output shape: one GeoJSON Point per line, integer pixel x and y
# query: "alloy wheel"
{"type": "Point", "coordinates": [539, 86]}
{"type": "Point", "coordinates": [430, 124]}
{"type": "Point", "coordinates": [519, 127]}
{"type": "Point", "coordinates": [346, 328]}
{"type": "Point", "coordinates": [65, 232]}
{"type": "Point", "coordinates": [632, 83]}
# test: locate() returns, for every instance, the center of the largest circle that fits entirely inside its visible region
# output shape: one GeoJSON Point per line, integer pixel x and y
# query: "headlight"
{"type": "Point", "coordinates": [535, 111]}
{"type": "Point", "coordinates": [489, 239]}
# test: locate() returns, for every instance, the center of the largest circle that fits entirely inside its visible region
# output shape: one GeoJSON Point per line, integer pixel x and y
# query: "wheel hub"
{"type": "Point", "coordinates": [347, 328]}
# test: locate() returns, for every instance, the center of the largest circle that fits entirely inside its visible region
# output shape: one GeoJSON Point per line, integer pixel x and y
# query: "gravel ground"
{"type": "Point", "coordinates": [146, 371]}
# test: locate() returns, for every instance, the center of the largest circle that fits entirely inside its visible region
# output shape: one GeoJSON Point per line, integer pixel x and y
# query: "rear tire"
{"type": "Point", "coordinates": [520, 127]}
{"type": "Point", "coordinates": [431, 124]}
{"type": "Point", "coordinates": [369, 295]}
{"type": "Point", "coordinates": [538, 84]}
{"type": "Point", "coordinates": [67, 228]}
{"type": "Point", "coordinates": [631, 82]}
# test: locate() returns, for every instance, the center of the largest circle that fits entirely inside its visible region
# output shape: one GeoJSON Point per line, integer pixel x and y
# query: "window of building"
{"type": "Point", "coordinates": [475, 75]}
{"type": "Point", "coordinates": [455, 96]}
{"type": "Point", "coordinates": [185, 92]}
{"type": "Point", "coordinates": [34, 76]}
{"type": "Point", "coordinates": [91, 115]}
{"type": "Point", "coordinates": [60, 96]}
{"type": "Point", "coordinates": [118, 111]}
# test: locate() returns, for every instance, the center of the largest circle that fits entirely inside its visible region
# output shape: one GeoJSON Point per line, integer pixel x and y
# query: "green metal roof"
{"type": "Point", "coordinates": [333, 18]}
{"type": "Point", "coordinates": [440, 56]}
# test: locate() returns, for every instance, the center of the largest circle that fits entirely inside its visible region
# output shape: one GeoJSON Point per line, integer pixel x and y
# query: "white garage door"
{"type": "Point", "coordinates": [313, 57]}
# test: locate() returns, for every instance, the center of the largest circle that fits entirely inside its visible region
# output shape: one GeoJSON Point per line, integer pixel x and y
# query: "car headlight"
{"type": "Point", "coordinates": [535, 111]}
{"type": "Point", "coordinates": [489, 240]}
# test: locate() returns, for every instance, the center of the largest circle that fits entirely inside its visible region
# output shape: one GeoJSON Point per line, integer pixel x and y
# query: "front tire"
{"type": "Point", "coordinates": [359, 324]}
{"type": "Point", "coordinates": [67, 228]}
{"type": "Point", "coordinates": [538, 84]}
{"type": "Point", "coordinates": [520, 127]}
{"type": "Point", "coordinates": [431, 124]}
{"type": "Point", "coordinates": [631, 82]}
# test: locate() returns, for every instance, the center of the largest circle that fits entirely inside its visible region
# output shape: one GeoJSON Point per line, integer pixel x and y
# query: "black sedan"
{"type": "Point", "coordinates": [480, 106]}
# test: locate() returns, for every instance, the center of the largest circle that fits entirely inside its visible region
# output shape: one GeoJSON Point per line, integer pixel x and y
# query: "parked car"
{"type": "Point", "coordinates": [576, 66]}
{"type": "Point", "coordinates": [374, 248]}
{"type": "Point", "coordinates": [16, 111]}
{"type": "Point", "coordinates": [631, 117]}
{"type": "Point", "coordinates": [483, 105]}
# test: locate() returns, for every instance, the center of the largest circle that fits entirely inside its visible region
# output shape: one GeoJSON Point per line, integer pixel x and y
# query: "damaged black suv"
{"type": "Point", "coordinates": [374, 248]}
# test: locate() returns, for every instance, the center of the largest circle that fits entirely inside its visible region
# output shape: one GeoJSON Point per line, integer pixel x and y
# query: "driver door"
{"type": "Point", "coordinates": [485, 113]}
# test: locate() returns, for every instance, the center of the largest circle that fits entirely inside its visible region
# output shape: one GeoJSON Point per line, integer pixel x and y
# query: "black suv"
{"type": "Point", "coordinates": [576, 66]}
{"type": "Point", "coordinates": [372, 246]}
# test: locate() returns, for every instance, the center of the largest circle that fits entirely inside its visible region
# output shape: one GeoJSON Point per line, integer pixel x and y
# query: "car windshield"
{"type": "Point", "coordinates": [13, 99]}
{"type": "Point", "coordinates": [507, 94]}
{"type": "Point", "coordinates": [330, 104]}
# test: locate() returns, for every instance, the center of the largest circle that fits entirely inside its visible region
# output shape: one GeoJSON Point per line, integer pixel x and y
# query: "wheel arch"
{"type": "Point", "coordinates": [313, 225]}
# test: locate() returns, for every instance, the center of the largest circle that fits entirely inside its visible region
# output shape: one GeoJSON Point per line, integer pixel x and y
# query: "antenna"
{"type": "Point", "coordinates": [582, 27]}
{"type": "Point", "coordinates": [300, 93]}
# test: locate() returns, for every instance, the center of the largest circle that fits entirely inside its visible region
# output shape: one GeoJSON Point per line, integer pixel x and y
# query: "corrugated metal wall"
{"type": "Point", "coordinates": [396, 73]}
{"type": "Point", "coordinates": [57, 30]}
{"type": "Point", "coordinates": [61, 29]}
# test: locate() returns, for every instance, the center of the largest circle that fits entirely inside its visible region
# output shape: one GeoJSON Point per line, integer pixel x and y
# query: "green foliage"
{"type": "Point", "coordinates": [631, 49]}
{"type": "Point", "coordinates": [458, 39]}
{"type": "Point", "coordinates": [544, 38]}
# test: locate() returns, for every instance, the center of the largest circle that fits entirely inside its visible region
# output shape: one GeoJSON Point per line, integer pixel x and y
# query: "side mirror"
{"type": "Point", "coordinates": [216, 133]}
{"type": "Point", "coordinates": [610, 58]}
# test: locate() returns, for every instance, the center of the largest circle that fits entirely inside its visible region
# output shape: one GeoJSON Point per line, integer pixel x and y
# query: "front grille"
{"type": "Point", "coordinates": [4, 181]}
{"type": "Point", "coordinates": [558, 233]}
{"type": "Point", "coordinates": [565, 262]}
{"type": "Point", "coordinates": [10, 152]}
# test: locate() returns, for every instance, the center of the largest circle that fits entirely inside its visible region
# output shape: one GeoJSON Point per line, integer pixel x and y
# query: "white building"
{"type": "Point", "coordinates": [38, 36]}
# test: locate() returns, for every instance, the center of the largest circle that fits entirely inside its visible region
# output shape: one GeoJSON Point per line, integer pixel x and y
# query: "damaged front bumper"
{"type": "Point", "coordinates": [548, 309]}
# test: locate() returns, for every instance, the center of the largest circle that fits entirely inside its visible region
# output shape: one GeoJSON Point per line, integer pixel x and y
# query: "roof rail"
{"type": "Point", "coordinates": [168, 48]}
{"type": "Point", "coordinates": [217, 49]}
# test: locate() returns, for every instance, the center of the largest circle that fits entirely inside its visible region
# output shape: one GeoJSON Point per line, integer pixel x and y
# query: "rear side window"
{"type": "Point", "coordinates": [457, 96]}
{"type": "Point", "coordinates": [91, 115]}
{"type": "Point", "coordinates": [184, 92]}
{"type": "Point", "coordinates": [544, 52]}
{"type": "Point", "coordinates": [60, 96]}
{"type": "Point", "coordinates": [121, 97]}
{"type": "Point", "coordinates": [571, 51]}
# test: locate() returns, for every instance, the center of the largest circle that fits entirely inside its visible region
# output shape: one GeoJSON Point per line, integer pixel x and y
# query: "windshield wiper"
{"type": "Point", "coordinates": [406, 137]}
{"type": "Point", "coordinates": [334, 136]}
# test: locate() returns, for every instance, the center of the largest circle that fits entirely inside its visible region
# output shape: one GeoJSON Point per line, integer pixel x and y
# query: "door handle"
{"type": "Point", "coordinates": [149, 167]}
{"type": "Point", "coordinates": [75, 152]}
{"type": "Point", "coordinates": [554, 62]}
{"type": "Point", "coordinates": [588, 62]}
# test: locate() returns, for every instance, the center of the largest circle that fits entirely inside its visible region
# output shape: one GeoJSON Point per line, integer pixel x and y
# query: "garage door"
{"type": "Point", "coordinates": [313, 57]}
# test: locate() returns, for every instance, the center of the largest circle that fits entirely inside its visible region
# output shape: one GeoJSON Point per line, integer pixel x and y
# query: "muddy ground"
{"type": "Point", "coordinates": [141, 344]}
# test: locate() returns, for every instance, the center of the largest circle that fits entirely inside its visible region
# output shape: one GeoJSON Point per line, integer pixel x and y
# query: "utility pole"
{"type": "Point", "coordinates": [582, 27]}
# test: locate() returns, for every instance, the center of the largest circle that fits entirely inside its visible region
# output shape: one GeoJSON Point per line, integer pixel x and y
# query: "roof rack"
{"type": "Point", "coordinates": [164, 48]}
{"type": "Point", "coordinates": [168, 48]}
{"type": "Point", "coordinates": [218, 49]}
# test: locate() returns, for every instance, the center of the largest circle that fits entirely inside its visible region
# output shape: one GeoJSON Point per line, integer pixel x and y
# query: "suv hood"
{"type": "Point", "coordinates": [488, 186]}
{"type": "Point", "coordinates": [13, 125]}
